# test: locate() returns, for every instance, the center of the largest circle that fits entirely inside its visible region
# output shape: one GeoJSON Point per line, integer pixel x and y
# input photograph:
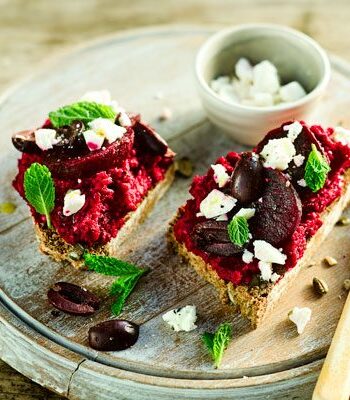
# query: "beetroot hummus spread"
{"type": "Point", "coordinates": [287, 212]}
{"type": "Point", "coordinates": [114, 179]}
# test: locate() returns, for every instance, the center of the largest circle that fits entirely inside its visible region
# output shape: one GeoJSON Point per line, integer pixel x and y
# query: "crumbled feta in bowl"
{"type": "Point", "coordinates": [254, 77]}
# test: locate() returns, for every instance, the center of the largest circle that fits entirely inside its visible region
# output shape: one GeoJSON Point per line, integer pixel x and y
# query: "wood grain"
{"type": "Point", "coordinates": [33, 31]}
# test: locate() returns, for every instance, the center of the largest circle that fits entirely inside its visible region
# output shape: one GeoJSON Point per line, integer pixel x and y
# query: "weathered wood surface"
{"type": "Point", "coordinates": [272, 348]}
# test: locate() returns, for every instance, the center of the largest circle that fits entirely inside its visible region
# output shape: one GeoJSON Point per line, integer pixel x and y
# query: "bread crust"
{"type": "Point", "coordinates": [50, 243]}
{"type": "Point", "coordinates": [256, 302]}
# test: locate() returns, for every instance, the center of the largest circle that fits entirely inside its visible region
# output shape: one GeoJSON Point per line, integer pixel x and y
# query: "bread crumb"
{"type": "Point", "coordinates": [330, 261]}
{"type": "Point", "coordinates": [346, 284]}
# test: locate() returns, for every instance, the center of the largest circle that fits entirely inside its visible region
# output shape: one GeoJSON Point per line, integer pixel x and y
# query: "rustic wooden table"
{"type": "Point", "coordinates": [31, 31]}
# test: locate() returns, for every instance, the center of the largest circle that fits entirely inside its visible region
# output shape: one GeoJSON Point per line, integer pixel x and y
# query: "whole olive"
{"type": "Point", "coordinates": [247, 179]}
{"type": "Point", "coordinates": [113, 335]}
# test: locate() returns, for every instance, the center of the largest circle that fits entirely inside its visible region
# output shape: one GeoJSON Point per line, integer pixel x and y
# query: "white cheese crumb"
{"type": "Point", "coordinates": [181, 319]}
{"type": "Point", "coordinates": [244, 70]}
{"type": "Point", "coordinates": [228, 93]}
{"type": "Point", "coordinates": [218, 83]}
{"type": "Point", "coordinates": [301, 182]}
{"type": "Point", "coordinates": [73, 202]}
{"type": "Point", "coordinates": [342, 135]}
{"type": "Point", "coordinates": [265, 270]}
{"type": "Point", "coordinates": [246, 213]}
{"type": "Point", "coordinates": [264, 251]}
{"type": "Point", "coordinates": [221, 176]}
{"type": "Point", "coordinates": [262, 99]}
{"type": "Point", "coordinates": [300, 316]}
{"type": "Point", "coordinates": [275, 277]}
{"type": "Point", "coordinates": [94, 141]}
{"type": "Point", "coordinates": [293, 129]}
{"type": "Point", "coordinates": [265, 78]}
{"type": "Point", "coordinates": [165, 114]}
{"type": "Point", "coordinates": [287, 183]}
{"type": "Point", "coordinates": [299, 160]}
{"type": "Point", "coordinates": [247, 256]}
{"type": "Point", "coordinates": [278, 153]}
{"type": "Point", "coordinates": [107, 128]}
{"type": "Point", "coordinates": [216, 203]}
{"type": "Point", "coordinates": [223, 217]}
{"type": "Point", "coordinates": [45, 138]}
{"type": "Point", "coordinates": [123, 118]}
{"type": "Point", "coordinates": [292, 91]}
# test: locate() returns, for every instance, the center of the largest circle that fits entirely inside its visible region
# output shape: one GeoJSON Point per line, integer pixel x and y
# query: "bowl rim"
{"type": "Point", "coordinates": [315, 92]}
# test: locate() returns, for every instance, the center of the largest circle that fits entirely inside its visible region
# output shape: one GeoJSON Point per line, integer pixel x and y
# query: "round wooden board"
{"type": "Point", "coordinates": [270, 361]}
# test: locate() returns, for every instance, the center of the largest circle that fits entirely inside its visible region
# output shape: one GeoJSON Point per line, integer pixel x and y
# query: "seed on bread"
{"type": "Point", "coordinates": [330, 261]}
{"type": "Point", "coordinates": [346, 284]}
{"type": "Point", "coordinates": [344, 221]}
{"type": "Point", "coordinates": [320, 286]}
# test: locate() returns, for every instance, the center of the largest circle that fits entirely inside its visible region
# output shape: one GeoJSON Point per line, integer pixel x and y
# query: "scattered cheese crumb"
{"type": "Point", "coordinates": [45, 138]}
{"type": "Point", "coordinates": [246, 213]}
{"type": "Point", "coordinates": [293, 129]}
{"type": "Point", "coordinates": [216, 203]}
{"type": "Point", "coordinates": [278, 153]}
{"type": "Point", "coordinates": [301, 317]}
{"type": "Point", "coordinates": [221, 176]}
{"type": "Point", "coordinates": [331, 261]}
{"type": "Point", "coordinates": [264, 251]}
{"type": "Point", "coordinates": [181, 319]}
{"type": "Point", "coordinates": [247, 256]}
{"type": "Point", "coordinates": [299, 160]}
{"type": "Point", "coordinates": [73, 202]}
{"type": "Point", "coordinates": [301, 182]}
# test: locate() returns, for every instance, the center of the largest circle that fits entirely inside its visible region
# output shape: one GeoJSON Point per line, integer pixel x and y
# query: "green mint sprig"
{"type": "Point", "coordinates": [217, 342]}
{"type": "Point", "coordinates": [127, 273]}
{"type": "Point", "coordinates": [39, 190]}
{"type": "Point", "coordinates": [316, 170]}
{"type": "Point", "coordinates": [238, 230]}
{"type": "Point", "coordinates": [85, 111]}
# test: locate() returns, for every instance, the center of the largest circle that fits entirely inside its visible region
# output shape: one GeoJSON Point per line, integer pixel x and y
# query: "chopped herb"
{"type": "Point", "coordinates": [128, 276]}
{"type": "Point", "coordinates": [238, 230]}
{"type": "Point", "coordinates": [316, 170]}
{"type": "Point", "coordinates": [39, 190]}
{"type": "Point", "coordinates": [217, 342]}
{"type": "Point", "coordinates": [83, 111]}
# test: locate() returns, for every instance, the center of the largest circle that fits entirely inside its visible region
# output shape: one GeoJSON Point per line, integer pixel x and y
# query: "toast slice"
{"type": "Point", "coordinates": [90, 174]}
{"type": "Point", "coordinates": [254, 300]}
{"type": "Point", "coordinates": [50, 243]}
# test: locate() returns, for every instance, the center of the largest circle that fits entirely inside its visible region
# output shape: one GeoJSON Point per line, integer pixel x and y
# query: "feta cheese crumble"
{"type": "Point", "coordinates": [181, 319]}
{"type": "Point", "coordinates": [301, 317]}
{"type": "Point", "coordinates": [246, 213]}
{"type": "Point", "coordinates": [257, 86]}
{"type": "Point", "coordinates": [216, 204]}
{"type": "Point", "coordinates": [45, 138]}
{"type": "Point", "coordinates": [298, 160]}
{"type": "Point", "coordinates": [101, 129]}
{"type": "Point", "coordinates": [266, 272]}
{"type": "Point", "coordinates": [247, 256]}
{"type": "Point", "coordinates": [342, 135]}
{"type": "Point", "coordinates": [73, 202]}
{"type": "Point", "coordinates": [293, 129]}
{"type": "Point", "coordinates": [278, 153]}
{"type": "Point", "coordinates": [301, 182]}
{"type": "Point", "coordinates": [220, 175]}
{"type": "Point", "coordinates": [264, 251]}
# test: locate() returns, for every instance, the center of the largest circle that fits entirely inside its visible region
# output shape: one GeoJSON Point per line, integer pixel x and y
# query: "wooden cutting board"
{"type": "Point", "coordinates": [271, 361]}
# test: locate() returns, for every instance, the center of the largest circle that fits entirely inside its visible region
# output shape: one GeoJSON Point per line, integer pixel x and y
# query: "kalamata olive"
{"type": "Point", "coordinates": [73, 299]}
{"type": "Point", "coordinates": [24, 141]}
{"type": "Point", "coordinates": [278, 212]}
{"type": "Point", "coordinates": [212, 237]}
{"type": "Point", "coordinates": [151, 141]}
{"type": "Point", "coordinates": [247, 179]}
{"type": "Point", "coordinates": [113, 335]}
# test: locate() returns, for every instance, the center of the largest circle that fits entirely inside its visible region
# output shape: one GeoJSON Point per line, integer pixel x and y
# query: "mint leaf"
{"type": "Point", "coordinates": [217, 343]}
{"type": "Point", "coordinates": [109, 265]}
{"type": "Point", "coordinates": [316, 170]}
{"type": "Point", "coordinates": [83, 111]}
{"type": "Point", "coordinates": [238, 230]}
{"type": "Point", "coordinates": [128, 276]}
{"type": "Point", "coordinates": [39, 190]}
{"type": "Point", "coordinates": [122, 288]}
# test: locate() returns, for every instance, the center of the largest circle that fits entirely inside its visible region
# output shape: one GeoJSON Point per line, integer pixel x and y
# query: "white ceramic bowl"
{"type": "Point", "coordinates": [296, 56]}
